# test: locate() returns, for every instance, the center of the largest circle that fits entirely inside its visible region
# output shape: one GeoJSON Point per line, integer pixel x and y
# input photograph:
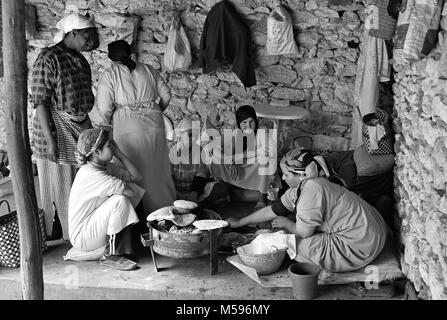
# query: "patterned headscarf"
{"type": "Point", "coordinates": [71, 22]}
{"type": "Point", "coordinates": [89, 141]}
{"type": "Point", "coordinates": [298, 160]}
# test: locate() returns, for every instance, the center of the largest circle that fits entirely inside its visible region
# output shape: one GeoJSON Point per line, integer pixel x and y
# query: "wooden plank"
{"type": "Point", "coordinates": [214, 263]}
{"type": "Point", "coordinates": [19, 151]}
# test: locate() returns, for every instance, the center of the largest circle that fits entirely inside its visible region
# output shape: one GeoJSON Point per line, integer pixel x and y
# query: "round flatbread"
{"type": "Point", "coordinates": [185, 204]}
{"type": "Point", "coordinates": [209, 224]}
{"type": "Point", "coordinates": [183, 220]}
{"type": "Point", "coordinates": [164, 213]}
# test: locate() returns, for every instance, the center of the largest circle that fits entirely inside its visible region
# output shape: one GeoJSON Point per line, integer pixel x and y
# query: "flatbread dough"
{"type": "Point", "coordinates": [183, 220]}
{"type": "Point", "coordinates": [185, 204]}
{"type": "Point", "coordinates": [209, 224]}
{"type": "Point", "coordinates": [164, 213]}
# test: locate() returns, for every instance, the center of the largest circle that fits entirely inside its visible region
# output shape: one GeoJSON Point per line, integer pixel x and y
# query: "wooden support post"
{"type": "Point", "coordinates": [19, 151]}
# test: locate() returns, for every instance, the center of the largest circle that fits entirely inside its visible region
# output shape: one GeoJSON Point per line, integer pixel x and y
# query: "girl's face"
{"type": "Point", "coordinates": [248, 126]}
{"type": "Point", "coordinates": [105, 154]}
{"type": "Point", "coordinates": [292, 179]}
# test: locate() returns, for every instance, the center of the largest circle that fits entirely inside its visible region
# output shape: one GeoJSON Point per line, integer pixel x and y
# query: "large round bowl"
{"type": "Point", "coordinates": [264, 263]}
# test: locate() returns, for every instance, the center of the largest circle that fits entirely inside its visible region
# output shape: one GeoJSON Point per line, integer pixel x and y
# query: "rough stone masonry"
{"type": "Point", "coordinates": [421, 171]}
{"type": "Point", "coordinates": [320, 78]}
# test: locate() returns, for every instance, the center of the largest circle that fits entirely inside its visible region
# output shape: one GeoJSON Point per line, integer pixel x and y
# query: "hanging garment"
{"type": "Point", "coordinates": [378, 20]}
{"type": "Point", "coordinates": [373, 67]}
{"type": "Point", "coordinates": [417, 27]}
{"type": "Point", "coordinates": [280, 38]}
{"type": "Point", "coordinates": [226, 39]}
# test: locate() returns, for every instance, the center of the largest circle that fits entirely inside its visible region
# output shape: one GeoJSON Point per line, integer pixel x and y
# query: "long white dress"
{"type": "Point", "coordinates": [130, 99]}
{"type": "Point", "coordinates": [97, 206]}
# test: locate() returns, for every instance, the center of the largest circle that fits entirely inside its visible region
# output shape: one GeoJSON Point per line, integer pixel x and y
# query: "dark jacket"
{"type": "Point", "coordinates": [226, 39]}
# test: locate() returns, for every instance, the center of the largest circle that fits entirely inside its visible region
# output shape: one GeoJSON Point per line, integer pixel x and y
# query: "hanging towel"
{"type": "Point", "coordinates": [373, 67]}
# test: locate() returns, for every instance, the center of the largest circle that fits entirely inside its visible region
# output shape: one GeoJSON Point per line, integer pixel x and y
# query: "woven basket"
{"type": "Point", "coordinates": [264, 263]}
{"type": "Point", "coordinates": [10, 239]}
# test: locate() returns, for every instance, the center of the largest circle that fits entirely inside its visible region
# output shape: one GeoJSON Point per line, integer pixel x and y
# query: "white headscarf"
{"type": "Point", "coordinates": [71, 22]}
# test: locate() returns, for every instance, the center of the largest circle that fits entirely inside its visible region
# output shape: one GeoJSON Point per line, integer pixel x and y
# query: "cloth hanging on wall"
{"type": "Point", "coordinates": [226, 39]}
{"type": "Point", "coordinates": [417, 28]}
{"type": "Point", "coordinates": [373, 66]}
{"type": "Point", "coordinates": [378, 20]}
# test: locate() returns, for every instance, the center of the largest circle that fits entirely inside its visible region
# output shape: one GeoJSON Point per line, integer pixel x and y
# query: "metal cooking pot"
{"type": "Point", "coordinates": [177, 245]}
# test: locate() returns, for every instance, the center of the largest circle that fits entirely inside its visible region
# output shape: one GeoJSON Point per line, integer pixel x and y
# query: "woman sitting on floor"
{"type": "Point", "coordinates": [254, 157]}
{"type": "Point", "coordinates": [190, 174]}
{"type": "Point", "coordinates": [102, 200]}
{"type": "Point", "coordinates": [334, 227]}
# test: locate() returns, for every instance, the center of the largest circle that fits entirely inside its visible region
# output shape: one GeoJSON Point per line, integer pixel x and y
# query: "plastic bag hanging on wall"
{"type": "Point", "coordinates": [178, 50]}
{"type": "Point", "coordinates": [280, 38]}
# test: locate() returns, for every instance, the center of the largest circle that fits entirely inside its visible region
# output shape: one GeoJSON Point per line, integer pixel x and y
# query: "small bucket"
{"type": "Point", "coordinates": [304, 280]}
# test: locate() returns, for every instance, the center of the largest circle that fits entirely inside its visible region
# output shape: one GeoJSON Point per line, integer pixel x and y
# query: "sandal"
{"type": "Point", "coordinates": [118, 263]}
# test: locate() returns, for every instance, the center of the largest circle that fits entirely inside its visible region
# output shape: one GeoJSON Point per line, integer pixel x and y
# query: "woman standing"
{"type": "Point", "coordinates": [132, 96]}
{"type": "Point", "coordinates": [61, 94]}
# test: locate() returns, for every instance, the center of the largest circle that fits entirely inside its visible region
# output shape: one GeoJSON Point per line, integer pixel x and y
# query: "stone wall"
{"type": "Point", "coordinates": [320, 78]}
{"type": "Point", "coordinates": [421, 172]}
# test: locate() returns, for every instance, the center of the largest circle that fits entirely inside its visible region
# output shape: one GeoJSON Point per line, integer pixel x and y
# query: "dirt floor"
{"type": "Point", "coordinates": [188, 279]}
